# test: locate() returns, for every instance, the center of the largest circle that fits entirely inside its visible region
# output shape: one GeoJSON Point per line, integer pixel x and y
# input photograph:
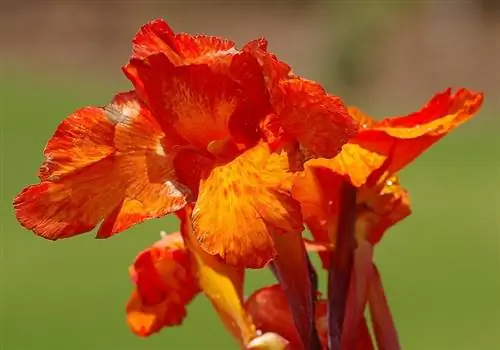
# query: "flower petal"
{"type": "Point", "coordinates": [317, 190]}
{"type": "Point", "coordinates": [413, 134]}
{"type": "Point", "coordinates": [270, 312]}
{"type": "Point", "coordinates": [128, 176]}
{"type": "Point", "coordinates": [196, 49]}
{"type": "Point", "coordinates": [153, 37]}
{"type": "Point", "coordinates": [356, 162]}
{"type": "Point", "coordinates": [193, 100]}
{"type": "Point", "coordinates": [389, 145]}
{"type": "Point", "coordinates": [221, 283]}
{"type": "Point", "coordinates": [273, 69]}
{"type": "Point", "coordinates": [190, 165]}
{"type": "Point", "coordinates": [240, 201]}
{"type": "Point", "coordinates": [157, 36]}
{"type": "Point", "coordinates": [318, 120]}
{"type": "Point", "coordinates": [381, 206]}
{"type": "Point", "coordinates": [165, 278]}
{"type": "Point", "coordinates": [245, 70]}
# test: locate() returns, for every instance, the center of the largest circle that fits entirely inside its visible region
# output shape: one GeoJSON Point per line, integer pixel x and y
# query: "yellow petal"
{"type": "Point", "coordinates": [240, 201]}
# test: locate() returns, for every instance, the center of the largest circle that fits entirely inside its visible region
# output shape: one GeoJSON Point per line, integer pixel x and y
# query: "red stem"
{"type": "Point", "coordinates": [341, 265]}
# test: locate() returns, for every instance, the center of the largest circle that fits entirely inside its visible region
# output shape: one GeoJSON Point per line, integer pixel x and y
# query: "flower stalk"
{"type": "Point", "coordinates": [341, 265]}
{"type": "Point", "coordinates": [293, 271]}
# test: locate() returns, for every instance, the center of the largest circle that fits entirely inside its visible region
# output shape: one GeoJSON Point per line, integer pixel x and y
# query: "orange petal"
{"type": "Point", "coordinates": [157, 36]}
{"type": "Point", "coordinates": [196, 101]}
{"type": "Point", "coordinates": [165, 279]}
{"type": "Point", "coordinates": [409, 136]}
{"type": "Point", "coordinates": [221, 283]}
{"type": "Point", "coordinates": [317, 190]}
{"type": "Point", "coordinates": [380, 207]}
{"type": "Point", "coordinates": [356, 162]}
{"type": "Point", "coordinates": [389, 145]}
{"type": "Point", "coordinates": [102, 163]}
{"type": "Point", "coordinates": [318, 120]}
{"type": "Point", "coordinates": [240, 201]}
{"type": "Point", "coordinates": [383, 325]}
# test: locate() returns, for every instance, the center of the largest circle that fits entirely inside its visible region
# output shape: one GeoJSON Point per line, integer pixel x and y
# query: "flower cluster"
{"type": "Point", "coordinates": [246, 154]}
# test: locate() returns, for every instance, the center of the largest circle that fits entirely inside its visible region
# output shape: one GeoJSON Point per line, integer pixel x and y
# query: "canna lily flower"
{"type": "Point", "coordinates": [369, 164]}
{"type": "Point", "coordinates": [207, 124]}
{"type": "Point", "coordinates": [172, 272]}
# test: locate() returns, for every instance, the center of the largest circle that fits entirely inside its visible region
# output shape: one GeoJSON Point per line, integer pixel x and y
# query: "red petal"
{"type": "Point", "coordinates": [196, 49]}
{"type": "Point", "coordinates": [270, 312]}
{"type": "Point", "coordinates": [246, 70]}
{"type": "Point", "coordinates": [273, 69]}
{"type": "Point", "coordinates": [153, 37]}
{"type": "Point", "coordinates": [317, 190]}
{"type": "Point", "coordinates": [127, 177]}
{"type": "Point", "coordinates": [193, 100]}
{"type": "Point", "coordinates": [319, 121]}
{"type": "Point", "coordinates": [166, 282]}
{"type": "Point", "coordinates": [190, 166]}
{"type": "Point", "coordinates": [380, 207]}
{"type": "Point", "coordinates": [157, 36]}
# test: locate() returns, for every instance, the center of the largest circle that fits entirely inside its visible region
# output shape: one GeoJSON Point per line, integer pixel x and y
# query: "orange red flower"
{"type": "Point", "coordinates": [206, 123]}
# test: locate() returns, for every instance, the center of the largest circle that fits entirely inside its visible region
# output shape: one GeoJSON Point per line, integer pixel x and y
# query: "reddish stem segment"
{"type": "Point", "coordinates": [299, 282]}
{"type": "Point", "coordinates": [341, 265]}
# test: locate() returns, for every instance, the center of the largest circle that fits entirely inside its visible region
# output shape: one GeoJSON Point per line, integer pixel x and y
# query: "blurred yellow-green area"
{"type": "Point", "coordinates": [440, 266]}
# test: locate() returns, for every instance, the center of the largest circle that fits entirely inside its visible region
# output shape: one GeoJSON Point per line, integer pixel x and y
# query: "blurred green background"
{"type": "Point", "coordinates": [440, 267]}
